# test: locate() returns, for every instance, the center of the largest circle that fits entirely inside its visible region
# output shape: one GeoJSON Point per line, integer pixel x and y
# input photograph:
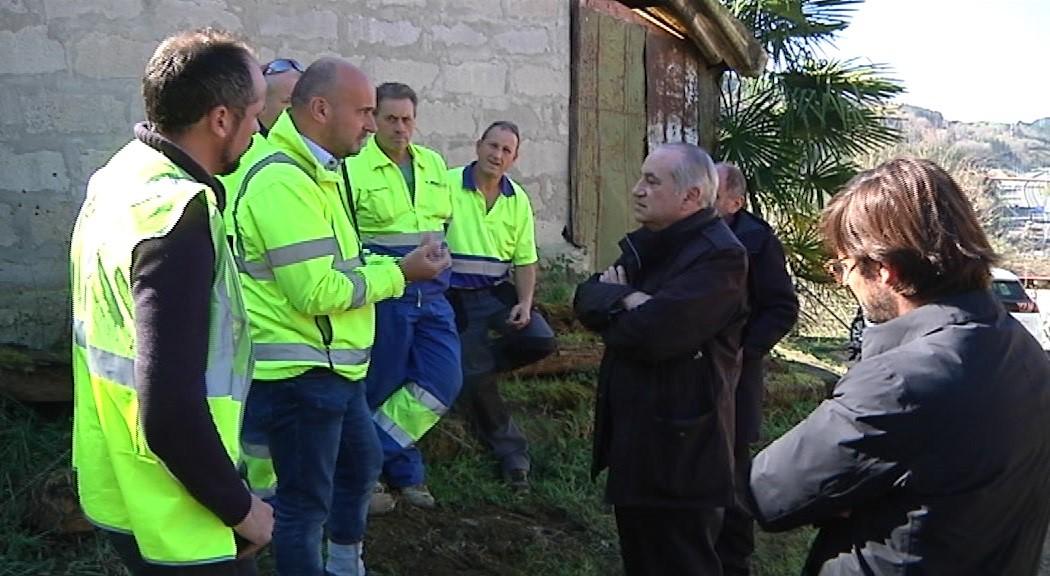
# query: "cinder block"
{"type": "Point", "coordinates": [477, 78]}
{"type": "Point", "coordinates": [101, 55]}
{"type": "Point", "coordinates": [44, 170]}
{"type": "Point", "coordinates": [30, 51]}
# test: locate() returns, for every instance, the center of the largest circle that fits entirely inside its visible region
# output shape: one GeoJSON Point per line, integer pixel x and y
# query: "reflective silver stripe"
{"type": "Point", "coordinates": [350, 356]}
{"type": "Point", "coordinates": [218, 377]}
{"type": "Point", "coordinates": [255, 450]}
{"type": "Point", "coordinates": [404, 239]}
{"type": "Point", "coordinates": [427, 399]}
{"type": "Point", "coordinates": [261, 270]}
{"type": "Point", "coordinates": [289, 353]}
{"type": "Point", "coordinates": [255, 270]}
{"type": "Point", "coordinates": [113, 367]}
{"type": "Point", "coordinates": [387, 425]}
{"type": "Point", "coordinates": [302, 251]}
{"type": "Point", "coordinates": [306, 353]}
{"type": "Point", "coordinates": [360, 288]}
{"type": "Point", "coordinates": [347, 265]}
{"type": "Point", "coordinates": [480, 267]}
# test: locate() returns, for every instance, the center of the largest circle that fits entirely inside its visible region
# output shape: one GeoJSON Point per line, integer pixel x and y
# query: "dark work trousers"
{"type": "Point", "coordinates": [128, 550]}
{"type": "Point", "coordinates": [736, 542]}
{"type": "Point", "coordinates": [666, 541]}
{"type": "Point", "coordinates": [490, 346]}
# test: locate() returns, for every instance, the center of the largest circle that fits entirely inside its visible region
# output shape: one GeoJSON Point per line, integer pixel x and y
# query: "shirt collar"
{"type": "Point", "coordinates": [323, 156]}
{"type": "Point", "coordinates": [505, 187]}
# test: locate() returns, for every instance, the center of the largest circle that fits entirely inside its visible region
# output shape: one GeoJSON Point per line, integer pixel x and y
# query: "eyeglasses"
{"type": "Point", "coordinates": [282, 65]}
{"type": "Point", "coordinates": [838, 269]}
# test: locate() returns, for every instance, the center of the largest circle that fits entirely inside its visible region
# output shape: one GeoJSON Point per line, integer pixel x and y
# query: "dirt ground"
{"type": "Point", "coordinates": [481, 541]}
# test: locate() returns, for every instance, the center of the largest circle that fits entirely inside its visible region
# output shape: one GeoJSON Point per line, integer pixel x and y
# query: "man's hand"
{"type": "Point", "coordinates": [635, 299]}
{"type": "Point", "coordinates": [520, 315]}
{"type": "Point", "coordinates": [425, 262]}
{"type": "Point", "coordinates": [257, 527]}
{"type": "Point", "coordinates": [614, 275]}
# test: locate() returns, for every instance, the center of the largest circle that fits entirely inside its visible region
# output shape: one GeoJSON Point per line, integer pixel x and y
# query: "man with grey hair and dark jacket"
{"type": "Point", "coordinates": [774, 311]}
{"type": "Point", "coordinates": [933, 454]}
{"type": "Point", "coordinates": [671, 312]}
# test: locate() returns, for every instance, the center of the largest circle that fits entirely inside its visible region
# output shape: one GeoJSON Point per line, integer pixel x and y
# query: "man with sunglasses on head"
{"type": "Point", "coordinates": [933, 454]}
{"type": "Point", "coordinates": [281, 76]}
{"type": "Point", "coordinates": [311, 291]}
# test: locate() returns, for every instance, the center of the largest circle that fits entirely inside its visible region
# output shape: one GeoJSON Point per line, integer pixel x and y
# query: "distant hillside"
{"type": "Point", "coordinates": [1014, 148]}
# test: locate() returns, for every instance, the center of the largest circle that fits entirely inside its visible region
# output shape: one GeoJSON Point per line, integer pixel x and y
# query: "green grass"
{"type": "Point", "coordinates": [561, 527]}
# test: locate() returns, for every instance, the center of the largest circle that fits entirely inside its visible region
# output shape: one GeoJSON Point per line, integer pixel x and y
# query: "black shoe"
{"type": "Point", "coordinates": [517, 480]}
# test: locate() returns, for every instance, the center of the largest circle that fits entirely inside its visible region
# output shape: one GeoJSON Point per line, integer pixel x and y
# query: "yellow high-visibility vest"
{"type": "Point", "coordinates": [122, 485]}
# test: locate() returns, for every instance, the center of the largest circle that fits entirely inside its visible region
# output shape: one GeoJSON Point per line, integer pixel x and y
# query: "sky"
{"type": "Point", "coordinates": [967, 59]}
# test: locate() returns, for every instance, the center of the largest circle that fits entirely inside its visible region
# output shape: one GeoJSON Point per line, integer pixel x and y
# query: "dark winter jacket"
{"type": "Point", "coordinates": [665, 405]}
{"type": "Point", "coordinates": [774, 311]}
{"type": "Point", "coordinates": [933, 455]}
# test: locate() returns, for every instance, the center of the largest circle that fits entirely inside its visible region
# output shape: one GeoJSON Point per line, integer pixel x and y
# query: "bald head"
{"type": "Point", "coordinates": [332, 104]}
{"type": "Point", "coordinates": [279, 88]}
{"type": "Point", "coordinates": [732, 189]}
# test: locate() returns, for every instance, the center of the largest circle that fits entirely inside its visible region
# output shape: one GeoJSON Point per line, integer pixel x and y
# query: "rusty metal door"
{"type": "Point", "coordinates": [609, 143]}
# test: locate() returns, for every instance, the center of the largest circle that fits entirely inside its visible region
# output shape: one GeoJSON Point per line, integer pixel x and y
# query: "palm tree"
{"type": "Point", "coordinates": [796, 130]}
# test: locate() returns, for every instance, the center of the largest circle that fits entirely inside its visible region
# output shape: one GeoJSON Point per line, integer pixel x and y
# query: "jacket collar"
{"type": "Point", "coordinates": [974, 306]}
{"type": "Point", "coordinates": [286, 137]}
{"type": "Point", "coordinates": [655, 246]}
{"type": "Point", "coordinates": [505, 187]}
{"type": "Point", "coordinates": [145, 133]}
{"type": "Point", "coordinates": [377, 158]}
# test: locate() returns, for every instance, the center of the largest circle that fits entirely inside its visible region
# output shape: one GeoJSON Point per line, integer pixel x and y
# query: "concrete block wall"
{"type": "Point", "coordinates": [69, 94]}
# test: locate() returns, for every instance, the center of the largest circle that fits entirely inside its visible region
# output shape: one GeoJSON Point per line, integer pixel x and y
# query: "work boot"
{"type": "Point", "coordinates": [382, 502]}
{"type": "Point", "coordinates": [418, 496]}
{"type": "Point", "coordinates": [517, 480]}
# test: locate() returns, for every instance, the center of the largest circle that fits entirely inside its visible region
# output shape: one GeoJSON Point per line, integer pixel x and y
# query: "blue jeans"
{"type": "Point", "coordinates": [416, 341]}
{"type": "Point", "coordinates": [327, 458]}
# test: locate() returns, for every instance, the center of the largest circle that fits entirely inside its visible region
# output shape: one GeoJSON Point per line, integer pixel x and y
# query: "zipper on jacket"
{"type": "Point", "coordinates": [324, 325]}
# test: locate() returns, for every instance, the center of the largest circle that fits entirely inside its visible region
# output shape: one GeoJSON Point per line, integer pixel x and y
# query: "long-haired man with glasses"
{"type": "Point", "coordinates": [933, 454]}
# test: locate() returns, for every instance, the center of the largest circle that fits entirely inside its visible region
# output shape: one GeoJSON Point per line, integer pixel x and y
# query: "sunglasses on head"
{"type": "Point", "coordinates": [282, 65]}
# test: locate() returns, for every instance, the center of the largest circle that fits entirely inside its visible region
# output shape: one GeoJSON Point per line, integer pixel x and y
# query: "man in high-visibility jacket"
{"type": "Point", "coordinates": [281, 76]}
{"type": "Point", "coordinates": [493, 234]}
{"type": "Point", "coordinates": [403, 197]}
{"type": "Point", "coordinates": [310, 292]}
{"type": "Point", "coordinates": [161, 350]}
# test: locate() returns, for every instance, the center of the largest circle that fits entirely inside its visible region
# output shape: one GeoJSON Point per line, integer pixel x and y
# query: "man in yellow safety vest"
{"type": "Point", "coordinates": [161, 350]}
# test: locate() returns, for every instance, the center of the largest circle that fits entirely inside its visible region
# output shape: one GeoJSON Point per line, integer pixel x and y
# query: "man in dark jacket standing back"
{"type": "Point", "coordinates": [670, 311]}
{"type": "Point", "coordinates": [933, 454]}
{"type": "Point", "coordinates": [774, 311]}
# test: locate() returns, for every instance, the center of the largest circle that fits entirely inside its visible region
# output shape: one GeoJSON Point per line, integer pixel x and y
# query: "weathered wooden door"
{"type": "Point", "coordinates": [634, 88]}
{"type": "Point", "coordinates": [610, 136]}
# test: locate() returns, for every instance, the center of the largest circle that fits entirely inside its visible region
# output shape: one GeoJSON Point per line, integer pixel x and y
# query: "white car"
{"type": "Point", "coordinates": [1007, 286]}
